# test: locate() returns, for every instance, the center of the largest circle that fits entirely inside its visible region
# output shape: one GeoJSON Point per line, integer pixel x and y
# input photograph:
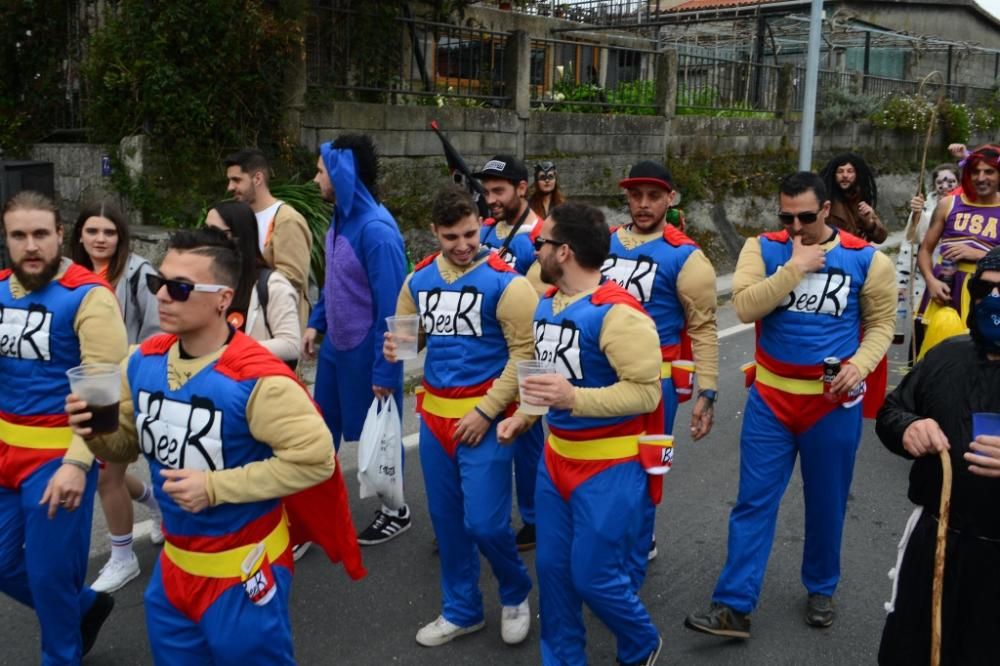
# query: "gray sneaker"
{"type": "Point", "coordinates": [819, 611]}
{"type": "Point", "coordinates": [720, 620]}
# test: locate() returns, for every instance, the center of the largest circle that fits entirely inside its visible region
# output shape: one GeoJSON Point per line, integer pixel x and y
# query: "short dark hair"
{"type": "Point", "coordinates": [365, 158]}
{"type": "Point", "coordinates": [110, 211]}
{"type": "Point", "coordinates": [211, 243]}
{"type": "Point", "coordinates": [452, 205]}
{"type": "Point", "coordinates": [31, 200]}
{"type": "Point", "coordinates": [250, 160]}
{"type": "Point", "coordinates": [583, 228]}
{"type": "Point", "coordinates": [800, 182]}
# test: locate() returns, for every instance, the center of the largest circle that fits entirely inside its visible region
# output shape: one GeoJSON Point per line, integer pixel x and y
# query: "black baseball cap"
{"type": "Point", "coordinates": [648, 173]}
{"type": "Point", "coordinates": [507, 167]}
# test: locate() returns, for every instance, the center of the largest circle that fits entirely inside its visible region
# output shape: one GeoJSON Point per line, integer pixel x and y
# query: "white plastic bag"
{"type": "Point", "coordinates": [380, 454]}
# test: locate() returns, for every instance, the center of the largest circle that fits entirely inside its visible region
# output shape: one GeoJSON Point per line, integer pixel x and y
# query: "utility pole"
{"type": "Point", "coordinates": [812, 81]}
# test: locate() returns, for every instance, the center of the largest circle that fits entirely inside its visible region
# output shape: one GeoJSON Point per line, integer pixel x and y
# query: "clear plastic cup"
{"type": "Point", "coordinates": [99, 385]}
{"type": "Point", "coordinates": [405, 330]}
{"type": "Point", "coordinates": [527, 369]}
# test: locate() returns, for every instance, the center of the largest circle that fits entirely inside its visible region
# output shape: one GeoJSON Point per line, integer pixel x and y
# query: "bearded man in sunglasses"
{"type": "Point", "coordinates": [950, 402]}
{"type": "Point", "coordinates": [812, 289]}
{"type": "Point", "coordinates": [232, 440]}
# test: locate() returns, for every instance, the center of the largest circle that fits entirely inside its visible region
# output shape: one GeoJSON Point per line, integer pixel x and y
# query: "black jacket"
{"type": "Point", "coordinates": [954, 381]}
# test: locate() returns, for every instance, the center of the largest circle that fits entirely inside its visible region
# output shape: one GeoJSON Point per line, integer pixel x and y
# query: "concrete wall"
{"type": "Point", "coordinates": [77, 170]}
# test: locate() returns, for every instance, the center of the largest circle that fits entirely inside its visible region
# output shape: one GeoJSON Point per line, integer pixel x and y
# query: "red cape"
{"type": "Point", "coordinates": [320, 514]}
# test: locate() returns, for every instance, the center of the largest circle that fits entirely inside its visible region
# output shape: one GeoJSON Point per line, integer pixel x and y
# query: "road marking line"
{"type": "Point", "coordinates": [733, 330]}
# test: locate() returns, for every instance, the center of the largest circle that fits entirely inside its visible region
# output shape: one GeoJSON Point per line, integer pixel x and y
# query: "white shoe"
{"type": "Point", "coordinates": [156, 532]}
{"type": "Point", "coordinates": [653, 552]}
{"type": "Point", "coordinates": [300, 550]}
{"type": "Point", "coordinates": [441, 631]}
{"type": "Point", "coordinates": [116, 574]}
{"type": "Point", "coordinates": [515, 621]}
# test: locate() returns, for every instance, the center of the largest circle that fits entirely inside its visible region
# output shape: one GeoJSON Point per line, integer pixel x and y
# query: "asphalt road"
{"type": "Point", "coordinates": [373, 622]}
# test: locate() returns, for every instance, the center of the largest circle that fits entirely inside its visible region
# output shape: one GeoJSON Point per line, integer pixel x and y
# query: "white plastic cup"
{"type": "Point", "coordinates": [405, 330]}
{"type": "Point", "coordinates": [99, 385]}
{"type": "Point", "coordinates": [527, 369]}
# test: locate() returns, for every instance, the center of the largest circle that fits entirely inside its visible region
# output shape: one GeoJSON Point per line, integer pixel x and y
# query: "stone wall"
{"type": "Point", "coordinates": [77, 171]}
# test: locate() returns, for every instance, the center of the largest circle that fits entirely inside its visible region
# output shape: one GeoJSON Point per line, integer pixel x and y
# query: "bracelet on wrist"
{"type": "Point", "coordinates": [76, 463]}
{"type": "Point", "coordinates": [483, 414]}
{"type": "Point", "coordinates": [709, 394]}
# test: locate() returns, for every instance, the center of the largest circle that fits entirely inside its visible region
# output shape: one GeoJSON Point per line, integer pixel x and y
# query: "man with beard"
{"type": "Point", "coordinates": [285, 239]}
{"type": "Point", "coordinates": [675, 282]}
{"type": "Point", "coordinates": [965, 227]}
{"type": "Point", "coordinates": [476, 313]}
{"type": "Point", "coordinates": [365, 268]}
{"type": "Point", "coordinates": [505, 180]}
{"type": "Point", "coordinates": [592, 489]}
{"type": "Point", "coordinates": [822, 299]}
{"type": "Point", "coordinates": [54, 315]}
{"type": "Point", "coordinates": [950, 402]}
{"type": "Point", "coordinates": [853, 196]}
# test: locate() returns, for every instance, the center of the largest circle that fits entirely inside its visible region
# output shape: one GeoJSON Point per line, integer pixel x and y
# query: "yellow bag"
{"type": "Point", "coordinates": [943, 322]}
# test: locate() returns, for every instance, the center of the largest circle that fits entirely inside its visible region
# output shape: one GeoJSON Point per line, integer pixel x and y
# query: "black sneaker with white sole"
{"type": "Point", "coordinates": [385, 527]}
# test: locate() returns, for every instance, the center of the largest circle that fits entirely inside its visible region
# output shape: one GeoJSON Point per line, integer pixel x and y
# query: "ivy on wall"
{"type": "Point", "coordinates": [199, 79]}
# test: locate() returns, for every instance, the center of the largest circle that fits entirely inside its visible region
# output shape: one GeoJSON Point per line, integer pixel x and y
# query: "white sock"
{"type": "Point", "coordinates": [121, 547]}
{"type": "Point", "coordinates": [148, 499]}
{"type": "Point", "coordinates": [403, 511]}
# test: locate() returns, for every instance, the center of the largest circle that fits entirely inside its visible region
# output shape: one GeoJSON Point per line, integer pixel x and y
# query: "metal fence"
{"type": "Point", "coordinates": [417, 62]}
{"type": "Point", "coordinates": [589, 77]}
{"type": "Point", "coordinates": [718, 84]}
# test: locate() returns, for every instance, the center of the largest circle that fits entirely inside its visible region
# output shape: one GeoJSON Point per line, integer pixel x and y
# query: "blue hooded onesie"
{"type": "Point", "coordinates": [365, 269]}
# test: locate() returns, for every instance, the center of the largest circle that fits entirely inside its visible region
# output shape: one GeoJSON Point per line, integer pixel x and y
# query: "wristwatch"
{"type": "Point", "coordinates": [709, 394]}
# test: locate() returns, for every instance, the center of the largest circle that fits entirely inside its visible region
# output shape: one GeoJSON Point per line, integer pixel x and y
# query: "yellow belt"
{"type": "Point", "coordinates": [787, 384]}
{"type": "Point", "coordinates": [34, 437]}
{"type": "Point", "coordinates": [966, 266]}
{"type": "Point", "coordinates": [607, 448]}
{"type": "Point", "coordinates": [226, 563]}
{"type": "Point", "coordinates": [449, 408]}
{"type": "Point", "coordinates": [665, 370]}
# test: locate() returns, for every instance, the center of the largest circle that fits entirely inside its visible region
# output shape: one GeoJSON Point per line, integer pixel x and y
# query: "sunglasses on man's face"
{"type": "Point", "coordinates": [540, 242]}
{"type": "Point", "coordinates": [980, 288]}
{"type": "Point", "coordinates": [804, 218]}
{"type": "Point", "coordinates": [178, 290]}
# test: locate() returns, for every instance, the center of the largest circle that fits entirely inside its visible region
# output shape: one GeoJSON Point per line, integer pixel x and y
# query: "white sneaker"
{"type": "Point", "coordinates": [156, 532]}
{"type": "Point", "coordinates": [653, 552]}
{"type": "Point", "coordinates": [116, 574]}
{"type": "Point", "coordinates": [515, 622]}
{"type": "Point", "coordinates": [300, 550]}
{"type": "Point", "coordinates": [441, 631]}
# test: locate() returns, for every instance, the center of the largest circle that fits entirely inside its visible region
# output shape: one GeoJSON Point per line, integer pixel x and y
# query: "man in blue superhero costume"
{"type": "Point", "coordinates": [591, 489]}
{"type": "Point", "coordinates": [242, 466]}
{"type": "Point", "coordinates": [815, 292]}
{"type": "Point", "coordinates": [365, 267]}
{"type": "Point", "coordinates": [54, 315]}
{"type": "Point", "coordinates": [476, 318]}
{"type": "Point", "coordinates": [675, 282]}
{"type": "Point", "coordinates": [511, 231]}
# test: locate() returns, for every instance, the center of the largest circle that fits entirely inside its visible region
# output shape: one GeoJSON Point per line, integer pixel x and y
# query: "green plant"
{"type": "Point", "coordinates": [908, 113]}
{"type": "Point", "coordinates": [838, 105]}
{"type": "Point", "coordinates": [198, 78]}
{"type": "Point", "coordinates": [956, 120]}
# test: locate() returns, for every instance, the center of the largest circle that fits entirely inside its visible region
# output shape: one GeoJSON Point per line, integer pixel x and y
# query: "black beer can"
{"type": "Point", "coordinates": [831, 368]}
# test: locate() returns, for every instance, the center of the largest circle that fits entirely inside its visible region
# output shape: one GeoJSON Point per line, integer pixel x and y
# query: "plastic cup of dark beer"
{"type": "Point", "coordinates": [99, 385]}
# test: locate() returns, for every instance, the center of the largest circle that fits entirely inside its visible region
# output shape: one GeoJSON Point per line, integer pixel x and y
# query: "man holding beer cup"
{"type": "Point", "coordinates": [592, 491]}
{"type": "Point", "coordinates": [54, 315]}
{"type": "Point", "coordinates": [475, 311]}
{"type": "Point", "coordinates": [824, 302]}
{"type": "Point", "coordinates": [231, 438]}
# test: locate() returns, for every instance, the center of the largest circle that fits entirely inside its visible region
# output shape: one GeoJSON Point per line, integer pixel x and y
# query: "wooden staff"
{"type": "Point", "coordinates": [911, 227]}
{"type": "Point", "coordinates": [937, 588]}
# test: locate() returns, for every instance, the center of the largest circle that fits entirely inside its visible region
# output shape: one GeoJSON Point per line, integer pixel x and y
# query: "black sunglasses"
{"type": "Point", "coordinates": [539, 242]}
{"type": "Point", "coordinates": [804, 218]}
{"type": "Point", "coordinates": [177, 289]}
{"type": "Point", "coordinates": [980, 288]}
